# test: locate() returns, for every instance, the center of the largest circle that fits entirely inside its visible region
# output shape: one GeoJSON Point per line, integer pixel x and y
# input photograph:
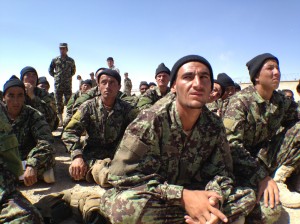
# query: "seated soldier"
{"type": "Point", "coordinates": [43, 84]}
{"type": "Point", "coordinates": [264, 137]}
{"type": "Point", "coordinates": [33, 134]}
{"type": "Point", "coordinates": [38, 98]}
{"type": "Point", "coordinates": [104, 118]}
{"type": "Point", "coordinates": [214, 96]}
{"type": "Point", "coordinates": [133, 100]}
{"type": "Point", "coordinates": [14, 207]}
{"type": "Point", "coordinates": [173, 163]}
{"type": "Point", "coordinates": [162, 77]}
{"type": "Point", "coordinates": [85, 86]}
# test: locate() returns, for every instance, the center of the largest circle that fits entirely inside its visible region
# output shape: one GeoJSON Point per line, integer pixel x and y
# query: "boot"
{"type": "Point", "coordinates": [48, 176]}
{"type": "Point", "coordinates": [288, 199]}
{"type": "Point", "coordinates": [240, 220]}
{"type": "Point", "coordinates": [61, 122]}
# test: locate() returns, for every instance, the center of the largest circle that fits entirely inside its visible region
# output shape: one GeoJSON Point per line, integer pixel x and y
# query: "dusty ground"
{"type": "Point", "coordinates": [64, 182]}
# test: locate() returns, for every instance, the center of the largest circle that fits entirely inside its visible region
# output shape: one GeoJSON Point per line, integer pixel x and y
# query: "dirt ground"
{"type": "Point", "coordinates": [63, 182]}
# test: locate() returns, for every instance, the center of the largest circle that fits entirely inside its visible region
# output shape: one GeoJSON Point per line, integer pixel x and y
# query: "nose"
{"type": "Point", "coordinates": [196, 82]}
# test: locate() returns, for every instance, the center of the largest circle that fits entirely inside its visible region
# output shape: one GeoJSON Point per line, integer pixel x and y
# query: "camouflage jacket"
{"type": "Point", "coordinates": [44, 103]}
{"type": "Point", "coordinates": [157, 155]}
{"type": "Point", "coordinates": [62, 69]}
{"type": "Point", "coordinates": [150, 97]}
{"type": "Point", "coordinates": [71, 102]}
{"type": "Point", "coordinates": [34, 137]}
{"type": "Point", "coordinates": [127, 85]}
{"type": "Point", "coordinates": [250, 123]}
{"type": "Point", "coordinates": [218, 107]}
{"type": "Point", "coordinates": [105, 129]}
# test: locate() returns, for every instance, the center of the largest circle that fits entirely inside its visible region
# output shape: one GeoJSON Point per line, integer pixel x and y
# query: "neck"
{"type": "Point", "coordinates": [163, 90]}
{"type": "Point", "coordinates": [188, 116]}
{"type": "Point", "coordinates": [266, 94]}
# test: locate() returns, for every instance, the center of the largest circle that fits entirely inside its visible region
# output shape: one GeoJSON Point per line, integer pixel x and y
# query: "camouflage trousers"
{"type": "Point", "coordinates": [136, 206]}
{"type": "Point", "coordinates": [62, 91]}
{"type": "Point", "coordinates": [283, 149]}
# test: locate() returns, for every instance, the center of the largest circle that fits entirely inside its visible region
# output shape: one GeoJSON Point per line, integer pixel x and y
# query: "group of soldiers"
{"type": "Point", "coordinates": [191, 149]}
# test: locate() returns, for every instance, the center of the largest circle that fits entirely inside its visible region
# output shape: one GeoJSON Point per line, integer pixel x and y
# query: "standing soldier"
{"type": "Point", "coordinates": [111, 64]}
{"type": "Point", "coordinates": [94, 82]}
{"type": "Point", "coordinates": [62, 68]}
{"type": "Point", "coordinates": [127, 85]}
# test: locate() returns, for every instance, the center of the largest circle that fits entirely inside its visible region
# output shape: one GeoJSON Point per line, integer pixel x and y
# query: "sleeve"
{"type": "Point", "coordinates": [51, 68]}
{"type": "Point", "coordinates": [145, 101]}
{"type": "Point", "coordinates": [291, 114]}
{"type": "Point", "coordinates": [245, 165]}
{"type": "Point", "coordinates": [42, 154]}
{"type": "Point", "coordinates": [74, 130]}
{"type": "Point", "coordinates": [73, 68]}
{"type": "Point", "coordinates": [137, 160]}
{"type": "Point", "coordinates": [69, 111]}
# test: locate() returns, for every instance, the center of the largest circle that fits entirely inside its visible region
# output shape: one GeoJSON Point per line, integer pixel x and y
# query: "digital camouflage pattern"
{"type": "Point", "coordinates": [150, 97]}
{"type": "Point", "coordinates": [69, 111]}
{"type": "Point", "coordinates": [104, 129]}
{"type": "Point", "coordinates": [14, 207]}
{"type": "Point", "coordinates": [35, 139]}
{"type": "Point", "coordinates": [218, 107]}
{"type": "Point", "coordinates": [156, 160]}
{"type": "Point", "coordinates": [127, 86]}
{"type": "Point", "coordinates": [44, 103]}
{"type": "Point", "coordinates": [262, 136]}
{"type": "Point", "coordinates": [62, 69]}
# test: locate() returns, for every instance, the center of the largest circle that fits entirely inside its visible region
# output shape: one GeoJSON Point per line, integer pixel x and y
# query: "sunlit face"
{"type": "Point", "coordinates": [143, 89]}
{"type": "Point", "coordinates": [110, 63]}
{"type": "Point", "coordinates": [215, 93]}
{"type": "Point", "coordinates": [44, 86]}
{"type": "Point", "coordinates": [63, 51]}
{"type": "Point", "coordinates": [162, 79]}
{"type": "Point", "coordinates": [229, 91]}
{"type": "Point", "coordinates": [30, 77]}
{"type": "Point", "coordinates": [269, 75]}
{"type": "Point", "coordinates": [14, 98]}
{"type": "Point", "coordinates": [109, 87]}
{"type": "Point", "coordinates": [85, 87]}
{"type": "Point", "coordinates": [192, 85]}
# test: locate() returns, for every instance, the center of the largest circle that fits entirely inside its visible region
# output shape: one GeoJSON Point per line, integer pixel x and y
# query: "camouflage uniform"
{"type": "Point", "coordinates": [105, 129]}
{"type": "Point", "coordinates": [156, 160]}
{"type": "Point", "coordinates": [44, 103]}
{"type": "Point", "coordinates": [62, 69]}
{"type": "Point", "coordinates": [218, 107]}
{"type": "Point", "coordinates": [70, 105]}
{"type": "Point", "coordinates": [262, 136]}
{"type": "Point", "coordinates": [14, 207]}
{"type": "Point", "coordinates": [35, 139]}
{"type": "Point", "coordinates": [127, 86]}
{"type": "Point", "coordinates": [150, 97]}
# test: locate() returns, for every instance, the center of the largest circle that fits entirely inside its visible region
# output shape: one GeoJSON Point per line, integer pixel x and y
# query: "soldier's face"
{"type": "Point", "coordinates": [215, 93]}
{"type": "Point", "coordinates": [30, 77]}
{"type": "Point", "coordinates": [63, 50]}
{"type": "Point", "coordinates": [14, 98]}
{"type": "Point", "coordinates": [85, 87]}
{"type": "Point", "coordinates": [269, 76]}
{"type": "Point", "coordinates": [143, 89]}
{"type": "Point", "coordinates": [162, 79]}
{"type": "Point", "coordinates": [192, 85]}
{"type": "Point", "coordinates": [229, 91]}
{"type": "Point", "coordinates": [110, 63]}
{"type": "Point", "coordinates": [109, 87]}
{"type": "Point", "coordinates": [44, 86]}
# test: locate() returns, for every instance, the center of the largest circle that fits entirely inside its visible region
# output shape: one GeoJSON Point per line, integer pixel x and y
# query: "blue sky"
{"type": "Point", "coordinates": [141, 34]}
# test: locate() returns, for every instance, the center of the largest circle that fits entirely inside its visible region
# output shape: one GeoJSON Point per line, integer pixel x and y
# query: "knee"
{"type": "Point", "coordinates": [270, 215]}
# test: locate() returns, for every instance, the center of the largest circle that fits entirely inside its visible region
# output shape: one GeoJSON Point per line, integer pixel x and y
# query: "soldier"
{"type": "Point", "coordinates": [152, 85]}
{"type": "Point", "coordinates": [14, 207]}
{"type": "Point", "coordinates": [264, 139]}
{"type": "Point", "coordinates": [86, 85]}
{"type": "Point", "coordinates": [33, 134]}
{"type": "Point", "coordinates": [94, 82]}
{"type": "Point", "coordinates": [127, 85]}
{"type": "Point", "coordinates": [144, 86]}
{"type": "Point", "coordinates": [43, 83]}
{"type": "Point", "coordinates": [104, 118]}
{"type": "Point", "coordinates": [214, 96]}
{"type": "Point", "coordinates": [80, 80]}
{"type": "Point", "coordinates": [62, 68]}
{"type": "Point", "coordinates": [174, 160]}
{"type": "Point", "coordinates": [133, 100]}
{"type": "Point", "coordinates": [38, 98]}
{"type": "Point", "coordinates": [288, 94]}
{"type": "Point", "coordinates": [162, 76]}
{"type": "Point", "coordinates": [237, 87]}
{"type": "Point", "coordinates": [111, 64]}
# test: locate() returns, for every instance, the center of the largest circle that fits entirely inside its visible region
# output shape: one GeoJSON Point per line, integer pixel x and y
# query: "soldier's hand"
{"type": "Point", "coordinates": [269, 189]}
{"type": "Point", "coordinates": [78, 168]}
{"type": "Point", "coordinates": [30, 176]}
{"type": "Point", "coordinates": [29, 90]}
{"type": "Point", "coordinates": [200, 208]}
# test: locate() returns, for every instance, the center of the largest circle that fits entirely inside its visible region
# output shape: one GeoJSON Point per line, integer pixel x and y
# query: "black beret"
{"type": "Point", "coordinates": [225, 80]}
{"type": "Point", "coordinates": [256, 63]}
{"type": "Point", "coordinates": [43, 80]}
{"type": "Point", "coordinates": [28, 69]}
{"type": "Point", "coordinates": [162, 68]}
{"type": "Point", "coordinates": [222, 87]}
{"type": "Point", "coordinates": [61, 45]}
{"type": "Point", "coordinates": [187, 59]}
{"type": "Point", "coordinates": [99, 70]}
{"type": "Point", "coordinates": [87, 81]}
{"type": "Point", "coordinates": [144, 83]}
{"type": "Point", "coordinates": [152, 84]}
{"type": "Point", "coordinates": [237, 86]}
{"type": "Point", "coordinates": [13, 81]}
{"type": "Point", "coordinates": [111, 73]}
{"type": "Point", "coordinates": [109, 59]}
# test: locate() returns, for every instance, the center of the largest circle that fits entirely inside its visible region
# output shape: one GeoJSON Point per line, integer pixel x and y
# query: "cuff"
{"type": "Point", "coordinates": [75, 153]}
{"type": "Point", "coordinates": [32, 162]}
{"type": "Point", "coordinates": [171, 192]}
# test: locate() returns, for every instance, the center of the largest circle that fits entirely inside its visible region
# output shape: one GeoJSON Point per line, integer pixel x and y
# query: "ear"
{"type": "Point", "coordinates": [173, 87]}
